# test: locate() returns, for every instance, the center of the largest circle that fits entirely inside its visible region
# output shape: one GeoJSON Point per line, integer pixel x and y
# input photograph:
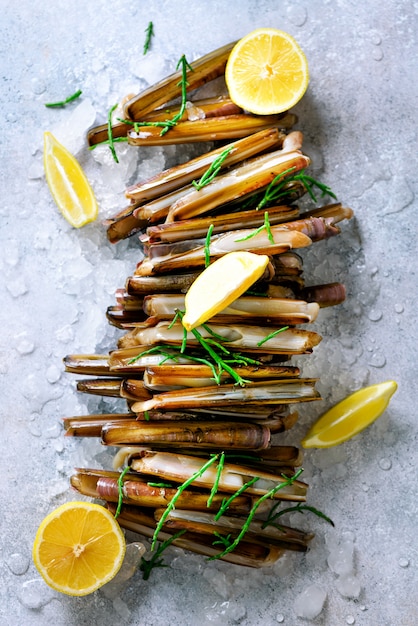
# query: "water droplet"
{"type": "Point", "coordinates": [365, 487]}
{"type": "Point", "coordinates": [403, 562]}
{"type": "Point", "coordinates": [25, 346]}
{"type": "Point", "coordinates": [38, 86]}
{"type": "Point", "coordinates": [362, 607]}
{"type": "Point", "coordinates": [399, 308]}
{"type": "Point", "coordinates": [17, 563]}
{"type": "Point", "coordinates": [350, 619]}
{"type": "Point", "coordinates": [34, 429]}
{"type": "Point", "coordinates": [53, 374]}
{"type": "Point", "coordinates": [374, 271]}
{"type": "Point", "coordinates": [385, 464]}
{"type": "Point", "coordinates": [377, 54]}
{"type": "Point", "coordinates": [377, 360]}
{"type": "Point", "coordinates": [280, 618]}
{"type": "Point", "coordinates": [297, 14]}
{"type": "Point", "coordinates": [375, 38]}
{"type": "Point", "coordinates": [375, 315]}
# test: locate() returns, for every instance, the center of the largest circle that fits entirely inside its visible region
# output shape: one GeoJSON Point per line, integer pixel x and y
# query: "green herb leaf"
{"type": "Point", "coordinates": [207, 245]}
{"type": "Point", "coordinates": [217, 479]}
{"type": "Point", "coordinates": [62, 103]}
{"type": "Point", "coordinates": [227, 501]}
{"type": "Point", "coordinates": [274, 515]}
{"type": "Point", "coordinates": [271, 335]}
{"type": "Point", "coordinates": [120, 490]}
{"type": "Point", "coordinates": [147, 565]}
{"type": "Point", "coordinates": [269, 494]}
{"type": "Point", "coordinates": [212, 171]}
{"type": "Point", "coordinates": [149, 33]}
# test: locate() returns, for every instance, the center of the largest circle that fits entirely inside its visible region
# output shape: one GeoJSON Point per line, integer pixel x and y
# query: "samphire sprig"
{"type": "Point", "coordinates": [62, 103]}
{"type": "Point", "coordinates": [111, 140]}
{"type": "Point", "coordinates": [265, 226]}
{"type": "Point", "coordinates": [278, 189]}
{"type": "Point", "coordinates": [274, 514]}
{"type": "Point", "coordinates": [149, 33]}
{"type": "Point", "coordinates": [212, 171]}
{"type": "Point", "coordinates": [288, 480]}
{"type": "Point", "coordinates": [147, 565]}
{"type": "Point", "coordinates": [120, 490]}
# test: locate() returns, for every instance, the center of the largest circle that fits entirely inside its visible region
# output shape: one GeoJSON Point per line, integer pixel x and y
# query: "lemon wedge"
{"type": "Point", "coordinates": [221, 283]}
{"type": "Point", "coordinates": [350, 416]}
{"type": "Point", "coordinates": [267, 72]}
{"type": "Point", "coordinates": [68, 184]}
{"type": "Point", "coordinates": [78, 548]}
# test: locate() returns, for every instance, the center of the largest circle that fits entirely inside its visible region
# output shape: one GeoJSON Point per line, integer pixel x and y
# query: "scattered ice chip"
{"type": "Point", "coordinates": [341, 556]}
{"type": "Point", "coordinates": [34, 594]}
{"type": "Point", "coordinates": [399, 307]}
{"type": "Point", "coordinates": [350, 620]}
{"type": "Point", "coordinates": [348, 586]}
{"type": "Point", "coordinates": [53, 374]}
{"type": "Point", "coordinates": [17, 287]}
{"type": "Point", "coordinates": [25, 345]}
{"type": "Point", "coordinates": [71, 132]}
{"type": "Point", "coordinates": [310, 602]}
{"type": "Point", "coordinates": [385, 464]}
{"type": "Point", "coordinates": [403, 562]}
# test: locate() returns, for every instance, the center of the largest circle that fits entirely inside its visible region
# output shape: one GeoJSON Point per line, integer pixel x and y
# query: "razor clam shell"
{"type": "Point", "coordinates": [205, 523]}
{"type": "Point", "coordinates": [204, 69]}
{"type": "Point", "coordinates": [204, 435]}
{"type": "Point", "coordinates": [282, 392]}
{"type": "Point", "coordinates": [143, 285]}
{"type": "Point", "coordinates": [197, 227]}
{"type": "Point", "coordinates": [273, 310]}
{"type": "Point", "coordinates": [185, 173]}
{"type": "Point", "coordinates": [91, 425]}
{"type": "Point", "coordinates": [255, 174]}
{"type": "Point", "coordinates": [237, 336]}
{"type": "Point", "coordinates": [249, 554]}
{"type": "Point", "coordinates": [137, 491]}
{"type": "Point", "coordinates": [94, 364]}
{"type": "Point", "coordinates": [284, 239]}
{"type": "Point", "coordinates": [325, 295]}
{"type": "Point", "coordinates": [210, 129]}
{"type": "Point", "coordinates": [180, 467]}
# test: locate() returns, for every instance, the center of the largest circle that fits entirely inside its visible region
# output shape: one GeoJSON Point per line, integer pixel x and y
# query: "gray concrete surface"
{"type": "Point", "coordinates": [359, 122]}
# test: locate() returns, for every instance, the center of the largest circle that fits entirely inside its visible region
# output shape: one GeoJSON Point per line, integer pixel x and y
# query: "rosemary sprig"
{"type": "Point", "coordinates": [265, 226]}
{"type": "Point", "coordinates": [149, 33]}
{"type": "Point", "coordinates": [120, 490]}
{"type": "Point", "coordinates": [172, 504]}
{"type": "Point", "coordinates": [288, 481]}
{"type": "Point", "coordinates": [147, 565]}
{"type": "Point", "coordinates": [217, 479]}
{"type": "Point", "coordinates": [271, 335]}
{"type": "Point", "coordinates": [207, 245]}
{"type": "Point", "coordinates": [298, 508]}
{"type": "Point", "coordinates": [212, 171]}
{"type": "Point", "coordinates": [62, 103]}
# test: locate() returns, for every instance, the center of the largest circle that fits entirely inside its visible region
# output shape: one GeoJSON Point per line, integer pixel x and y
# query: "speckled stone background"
{"type": "Point", "coordinates": [359, 119]}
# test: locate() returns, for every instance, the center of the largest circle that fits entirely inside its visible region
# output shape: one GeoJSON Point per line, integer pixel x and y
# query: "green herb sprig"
{"type": "Point", "coordinates": [227, 501]}
{"type": "Point", "coordinates": [149, 33]}
{"type": "Point", "coordinates": [276, 189]}
{"type": "Point", "coordinates": [274, 515]}
{"type": "Point", "coordinates": [120, 490]}
{"type": "Point", "coordinates": [147, 565]}
{"type": "Point", "coordinates": [270, 494]}
{"type": "Point", "coordinates": [271, 335]}
{"type": "Point", "coordinates": [63, 103]}
{"type": "Point", "coordinates": [207, 245]}
{"type": "Point", "coordinates": [266, 226]}
{"type": "Point", "coordinates": [217, 479]}
{"type": "Point", "coordinates": [212, 171]}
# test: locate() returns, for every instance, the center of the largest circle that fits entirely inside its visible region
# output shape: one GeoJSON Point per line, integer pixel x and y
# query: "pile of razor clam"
{"type": "Point", "coordinates": [195, 433]}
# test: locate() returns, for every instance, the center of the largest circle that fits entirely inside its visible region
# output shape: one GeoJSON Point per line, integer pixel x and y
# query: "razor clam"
{"type": "Point", "coordinates": [180, 467]}
{"type": "Point", "coordinates": [204, 69]}
{"type": "Point", "coordinates": [284, 239]}
{"type": "Point", "coordinates": [209, 129]}
{"type": "Point", "coordinates": [209, 107]}
{"type": "Point", "coordinates": [243, 337]}
{"type": "Point", "coordinates": [91, 425]}
{"type": "Point", "coordinates": [143, 285]}
{"type": "Point", "coordinates": [94, 364]}
{"type": "Point", "coordinates": [203, 435]}
{"type": "Point", "coordinates": [266, 392]}
{"type": "Point", "coordinates": [326, 295]}
{"type": "Point", "coordinates": [249, 554]}
{"type": "Point", "coordinates": [185, 173]}
{"type": "Point", "coordinates": [116, 388]}
{"type": "Point", "coordinates": [275, 310]}
{"type": "Point", "coordinates": [137, 491]}
{"type": "Point", "coordinates": [205, 523]}
{"type": "Point", "coordinates": [245, 179]}
{"type": "Point", "coordinates": [197, 227]}
{"type": "Point", "coordinates": [124, 224]}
